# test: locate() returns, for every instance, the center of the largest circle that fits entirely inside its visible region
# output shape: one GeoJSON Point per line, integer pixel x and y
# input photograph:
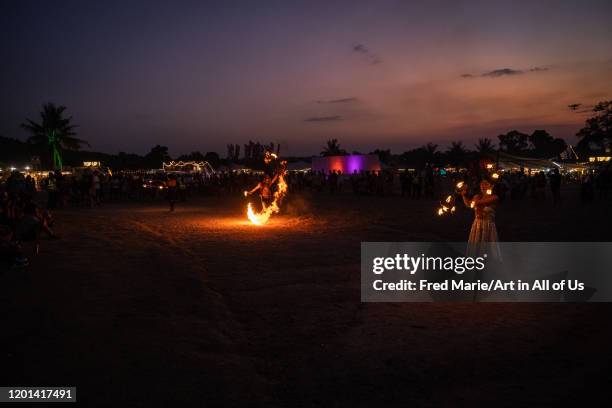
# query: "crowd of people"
{"type": "Point", "coordinates": [27, 203]}
{"type": "Point", "coordinates": [22, 219]}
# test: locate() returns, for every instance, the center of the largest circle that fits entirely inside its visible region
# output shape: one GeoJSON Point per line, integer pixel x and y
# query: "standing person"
{"type": "Point", "coordinates": [115, 188]}
{"type": "Point", "coordinates": [171, 184]}
{"type": "Point", "coordinates": [96, 186]}
{"type": "Point", "coordinates": [417, 183]}
{"type": "Point", "coordinates": [483, 234]}
{"type": "Point", "coordinates": [51, 192]}
{"type": "Point", "coordinates": [265, 191]}
{"type": "Point", "coordinates": [555, 186]}
{"type": "Point", "coordinates": [586, 188]}
{"type": "Point", "coordinates": [182, 189]}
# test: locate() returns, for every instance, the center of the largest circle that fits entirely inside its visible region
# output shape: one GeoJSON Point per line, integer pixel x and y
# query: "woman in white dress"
{"type": "Point", "coordinates": [483, 235]}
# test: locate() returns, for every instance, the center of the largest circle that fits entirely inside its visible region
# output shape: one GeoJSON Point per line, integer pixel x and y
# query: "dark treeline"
{"type": "Point", "coordinates": [540, 144]}
{"type": "Point", "coordinates": [56, 132]}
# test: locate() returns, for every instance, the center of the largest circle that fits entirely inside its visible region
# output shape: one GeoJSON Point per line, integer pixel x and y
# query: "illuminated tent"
{"type": "Point", "coordinates": [347, 164]}
{"type": "Point", "coordinates": [202, 167]}
{"type": "Point", "coordinates": [510, 162]}
{"type": "Point", "coordinates": [234, 167]}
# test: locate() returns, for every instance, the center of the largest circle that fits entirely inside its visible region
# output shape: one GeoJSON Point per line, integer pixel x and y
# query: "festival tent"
{"type": "Point", "coordinates": [187, 167]}
{"type": "Point", "coordinates": [234, 167]}
{"type": "Point", "coordinates": [347, 164]}
{"type": "Point", "coordinates": [507, 161]}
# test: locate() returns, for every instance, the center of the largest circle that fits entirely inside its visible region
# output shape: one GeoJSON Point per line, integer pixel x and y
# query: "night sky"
{"type": "Point", "coordinates": [390, 74]}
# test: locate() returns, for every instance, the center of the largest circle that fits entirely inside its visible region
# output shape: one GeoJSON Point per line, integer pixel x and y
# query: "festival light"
{"type": "Point", "coordinates": [197, 166]}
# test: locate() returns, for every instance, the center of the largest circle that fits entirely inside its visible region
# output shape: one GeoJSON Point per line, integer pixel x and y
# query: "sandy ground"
{"type": "Point", "coordinates": [138, 306]}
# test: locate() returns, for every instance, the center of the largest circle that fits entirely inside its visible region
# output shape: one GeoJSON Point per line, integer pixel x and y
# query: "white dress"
{"type": "Point", "coordinates": [483, 235]}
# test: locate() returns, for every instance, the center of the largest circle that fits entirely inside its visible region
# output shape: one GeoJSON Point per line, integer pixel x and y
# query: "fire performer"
{"type": "Point", "coordinates": [271, 189]}
{"type": "Point", "coordinates": [171, 193]}
{"type": "Point", "coordinates": [265, 191]}
{"type": "Point", "coordinates": [483, 234]}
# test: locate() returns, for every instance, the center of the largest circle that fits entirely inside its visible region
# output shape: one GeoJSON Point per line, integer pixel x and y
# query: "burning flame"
{"type": "Point", "coordinates": [262, 217]}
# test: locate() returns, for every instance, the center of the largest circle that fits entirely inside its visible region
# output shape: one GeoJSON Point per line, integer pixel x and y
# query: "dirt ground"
{"type": "Point", "coordinates": [140, 307]}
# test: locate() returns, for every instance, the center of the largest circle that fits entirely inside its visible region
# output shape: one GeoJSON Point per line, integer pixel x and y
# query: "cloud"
{"type": "Point", "coordinates": [323, 119]}
{"type": "Point", "coordinates": [370, 56]}
{"type": "Point", "coordinates": [341, 100]}
{"type": "Point", "coordinates": [496, 73]}
{"type": "Point", "coordinates": [538, 69]}
{"type": "Point", "coordinates": [501, 72]}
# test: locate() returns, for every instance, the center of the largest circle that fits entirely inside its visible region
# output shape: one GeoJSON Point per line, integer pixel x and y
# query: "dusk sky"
{"type": "Point", "coordinates": [389, 74]}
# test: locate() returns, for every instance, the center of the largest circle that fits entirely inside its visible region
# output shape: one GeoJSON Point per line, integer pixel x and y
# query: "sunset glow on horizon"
{"type": "Point", "coordinates": [390, 74]}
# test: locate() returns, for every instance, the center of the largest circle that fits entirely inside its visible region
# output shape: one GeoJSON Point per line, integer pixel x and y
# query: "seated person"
{"type": "Point", "coordinates": [10, 252]}
{"type": "Point", "coordinates": [30, 225]}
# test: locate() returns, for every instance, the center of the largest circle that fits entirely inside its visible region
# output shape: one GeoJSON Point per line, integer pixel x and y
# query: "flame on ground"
{"type": "Point", "coordinates": [262, 217]}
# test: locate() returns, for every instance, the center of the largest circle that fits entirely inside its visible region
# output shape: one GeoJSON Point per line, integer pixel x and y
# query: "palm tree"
{"type": "Point", "coordinates": [332, 148]}
{"type": "Point", "coordinates": [456, 153]}
{"type": "Point", "coordinates": [54, 131]}
{"type": "Point", "coordinates": [430, 149]}
{"type": "Point", "coordinates": [484, 145]}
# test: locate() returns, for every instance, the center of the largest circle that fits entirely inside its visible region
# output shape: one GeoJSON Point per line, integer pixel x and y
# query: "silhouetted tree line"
{"type": "Point", "coordinates": [55, 133]}
{"type": "Point", "coordinates": [15, 152]}
{"type": "Point", "coordinates": [596, 135]}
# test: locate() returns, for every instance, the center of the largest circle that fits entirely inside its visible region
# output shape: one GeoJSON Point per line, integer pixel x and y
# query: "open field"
{"type": "Point", "coordinates": [150, 308]}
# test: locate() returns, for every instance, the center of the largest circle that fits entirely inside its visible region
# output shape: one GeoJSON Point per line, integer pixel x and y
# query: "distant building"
{"type": "Point", "coordinates": [347, 164]}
